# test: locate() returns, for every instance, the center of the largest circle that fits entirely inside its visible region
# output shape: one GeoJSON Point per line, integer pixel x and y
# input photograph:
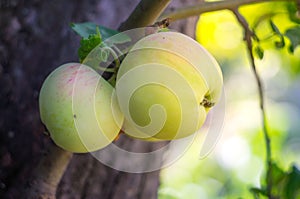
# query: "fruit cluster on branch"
{"type": "Point", "coordinates": [164, 89]}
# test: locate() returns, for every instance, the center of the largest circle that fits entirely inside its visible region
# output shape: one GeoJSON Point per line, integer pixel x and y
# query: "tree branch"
{"type": "Point", "coordinates": [248, 38]}
{"type": "Point", "coordinates": [46, 176]}
{"type": "Point", "coordinates": [145, 13]}
{"type": "Point", "coordinates": [199, 8]}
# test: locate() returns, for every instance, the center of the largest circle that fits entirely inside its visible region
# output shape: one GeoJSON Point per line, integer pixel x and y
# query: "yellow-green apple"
{"type": "Point", "coordinates": [166, 85]}
{"type": "Point", "coordinates": [78, 108]}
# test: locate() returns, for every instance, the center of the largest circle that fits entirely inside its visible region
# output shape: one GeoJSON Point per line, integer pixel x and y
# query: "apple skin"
{"type": "Point", "coordinates": [77, 107]}
{"type": "Point", "coordinates": [184, 58]}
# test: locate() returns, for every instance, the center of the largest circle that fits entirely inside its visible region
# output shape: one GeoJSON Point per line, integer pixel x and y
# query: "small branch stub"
{"type": "Point", "coordinates": [163, 23]}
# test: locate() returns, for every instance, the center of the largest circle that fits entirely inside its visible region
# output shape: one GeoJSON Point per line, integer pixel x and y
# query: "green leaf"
{"type": "Point", "coordinates": [285, 184]}
{"type": "Point", "coordinates": [294, 36]}
{"type": "Point", "coordinates": [88, 28]}
{"type": "Point", "coordinates": [278, 174]}
{"type": "Point", "coordinates": [258, 191]}
{"type": "Point", "coordinates": [292, 188]}
{"type": "Point", "coordinates": [87, 45]}
{"type": "Point", "coordinates": [277, 178]}
{"type": "Point", "coordinates": [293, 12]}
{"type": "Point", "coordinates": [259, 52]}
{"type": "Point", "coordinates": [275, 28]}
{"type": "Point", "coordinates": [93, 35]}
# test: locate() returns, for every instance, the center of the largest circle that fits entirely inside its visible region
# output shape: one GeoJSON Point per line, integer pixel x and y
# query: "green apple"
{"type": "Point", "coordinates": [79, 109]}
{"type": "Point", "coordinates": [166, 85]}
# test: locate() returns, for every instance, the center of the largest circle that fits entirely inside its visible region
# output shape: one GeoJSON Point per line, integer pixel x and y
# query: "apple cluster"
{"type": "Point", "coordinates": [164, 89]}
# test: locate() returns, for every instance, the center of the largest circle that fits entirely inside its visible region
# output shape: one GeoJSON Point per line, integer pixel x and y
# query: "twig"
{"type": "Point", "coordinates": [145, 14]}
{"type": "Point", "coordinates": [248, 38]}
{"type": "Point", "coordinates": [202, 7]}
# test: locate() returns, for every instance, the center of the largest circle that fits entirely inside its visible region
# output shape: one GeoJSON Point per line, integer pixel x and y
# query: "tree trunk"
{"type": "Point", "coordinates": [35, 38]}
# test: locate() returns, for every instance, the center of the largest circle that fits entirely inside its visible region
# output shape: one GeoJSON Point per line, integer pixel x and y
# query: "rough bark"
{"type": "Point", "coordinates": [34, 39]}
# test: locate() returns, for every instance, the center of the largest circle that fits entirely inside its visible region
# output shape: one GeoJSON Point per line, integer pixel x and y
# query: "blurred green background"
{"type": "Point", "coordinates": [237, 163]}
